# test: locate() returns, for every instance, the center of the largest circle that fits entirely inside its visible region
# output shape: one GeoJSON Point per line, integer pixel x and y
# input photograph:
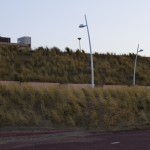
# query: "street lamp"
{"type": "Point", "coordinates": [92, 68]}
{"type": "Point", "coordinates": [79, 43]}
{"type": "Point", "coordinates": [135, 64]}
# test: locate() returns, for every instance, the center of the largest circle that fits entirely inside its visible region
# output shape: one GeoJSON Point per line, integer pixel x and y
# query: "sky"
{"type": "Point", "coordinates": [115, 26]}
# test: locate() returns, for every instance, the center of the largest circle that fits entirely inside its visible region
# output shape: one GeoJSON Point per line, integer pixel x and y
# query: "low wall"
{"type": "Point", "coordinates": [122, 86]}
{"type": "Point", "coordinates": [44, 84]}
{"type": "Point", "coordinates": [47, 85]}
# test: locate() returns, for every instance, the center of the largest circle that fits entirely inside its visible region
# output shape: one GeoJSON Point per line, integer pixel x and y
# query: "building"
{"type": "Point", "coordinates": [24, 41]}
{"type": "Point", "coordinates": [5, 40]}
{"type": "Point", "coordinates": [21, 42]}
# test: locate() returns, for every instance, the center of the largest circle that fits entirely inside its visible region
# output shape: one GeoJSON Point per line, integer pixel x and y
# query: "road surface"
{"type": "Point", "coordinates": [75, 140]}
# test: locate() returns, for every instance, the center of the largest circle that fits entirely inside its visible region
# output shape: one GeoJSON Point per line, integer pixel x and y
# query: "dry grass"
{"type": "Point", "coordinates": [73, 107]}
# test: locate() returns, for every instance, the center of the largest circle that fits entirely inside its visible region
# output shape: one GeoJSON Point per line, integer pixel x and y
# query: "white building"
{"type": "Point", "coordinates": [24, 41]}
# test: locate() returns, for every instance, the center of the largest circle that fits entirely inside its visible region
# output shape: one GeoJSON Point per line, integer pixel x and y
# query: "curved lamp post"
{"type": "Point", "coordinates": [79, 43]}
{"type": "Point", "coordinates": [92, 68]}
{"type": "Point", "coordinates": [136, 63]}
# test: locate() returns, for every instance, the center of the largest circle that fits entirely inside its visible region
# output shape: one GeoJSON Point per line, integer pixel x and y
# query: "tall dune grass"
{"type": "Point", "coordinates": [68, 107]}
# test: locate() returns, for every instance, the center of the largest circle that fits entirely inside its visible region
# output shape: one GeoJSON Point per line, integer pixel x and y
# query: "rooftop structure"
{"type": "Point", "coordinates": [4, 40]}
{"type": "Point", "coordinates": [23, 41]}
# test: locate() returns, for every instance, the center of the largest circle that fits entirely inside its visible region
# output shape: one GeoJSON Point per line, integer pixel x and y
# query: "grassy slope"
{"type": "Point", "coordinates": [53, 65]}
{"type": "Point", "coordinates": [92, 108]}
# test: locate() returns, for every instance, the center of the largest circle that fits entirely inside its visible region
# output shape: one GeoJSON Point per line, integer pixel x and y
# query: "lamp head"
{"type": "Point", "coordinates": [141, 50]}
{"type": "Point", "coordinates": [79, 38]}
{"type": "Point", "coordinates": [82, 26]}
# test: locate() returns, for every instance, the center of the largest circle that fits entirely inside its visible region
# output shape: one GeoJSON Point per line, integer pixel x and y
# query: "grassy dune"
{"type": "Point", "coordinates": [69, 66]}
{"type": "Point", "coordinates": [105, 109]}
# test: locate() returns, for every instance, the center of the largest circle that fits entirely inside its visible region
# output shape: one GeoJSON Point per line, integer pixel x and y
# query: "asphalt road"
{"type": "Point", "coordinates": [78, 140]}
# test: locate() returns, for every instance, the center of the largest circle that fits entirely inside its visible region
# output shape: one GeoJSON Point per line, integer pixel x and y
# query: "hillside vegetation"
{"type": "Point", "coordinates": [53, 65]}
{"type": "Point", "coordinates": [22, 105]}
{"type": "Point", "coordinates": [123, 108]}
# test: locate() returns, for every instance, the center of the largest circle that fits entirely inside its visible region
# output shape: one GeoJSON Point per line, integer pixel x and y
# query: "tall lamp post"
{"type": "Point", "coordinates": [91, 57]}
{"type": "Point", "coordinates": [79, 43]}
{"type": "Point", "coordinates": [136, 63]}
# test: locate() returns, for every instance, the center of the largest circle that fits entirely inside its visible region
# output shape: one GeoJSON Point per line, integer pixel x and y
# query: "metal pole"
{"type": "Point", "coordinates": [79, 43]}
{"type": "Point", "coordinates": [135, 65]}
{"type": "Point", "coordinates": [92, 68]}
